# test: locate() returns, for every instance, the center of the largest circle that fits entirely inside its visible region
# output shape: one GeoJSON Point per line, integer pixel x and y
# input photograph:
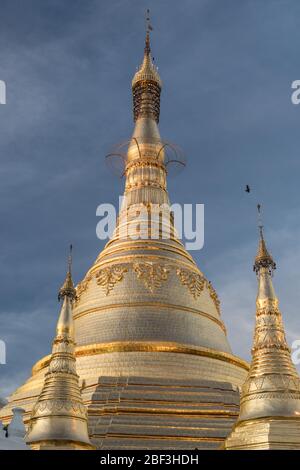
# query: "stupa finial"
{"type": "Point", "coordinates": [148, 29]}
{"type": "Point", "coordinates": [68, 289]}
{"type": "Point", "coordinates": [59, 418]}
{"type": "Point", "coordinates": [270, 396]}
{"type": "Point", "coordinates": [263, 258]}
{"type": "Point", "coordinates": [146, 83]}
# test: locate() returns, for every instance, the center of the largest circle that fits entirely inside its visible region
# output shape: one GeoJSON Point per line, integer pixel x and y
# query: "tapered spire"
{"type": "Point", "coordinates": [59, 418]}
{"type": "Point", "coordinates": [263, 258]}
{"type": "Point", "coordinates": [68, 289]}
{"type": "Point", "coordinates": [146, 83]}
{"type": "Point", "coordinates": [270, 397]}
{"type": "Point", "coordinates": [145, 163]}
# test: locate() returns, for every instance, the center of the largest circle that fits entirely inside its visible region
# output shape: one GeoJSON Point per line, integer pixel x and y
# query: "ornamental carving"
{"type": "Point", "coordinates": [267, 310]}
{"type": "Point", "coordinates": [151, 274]}
{"type": "Point", "coordinates": [275, 383]}
{"type": "Point", "coordinates": [194, 282]}
{"type": "Point", "coordinates": [55, 405]}
{"type": "Point", "coordinates": [214, 296]}
{"type": "Point", "coordinates": [150, 161]}
{"type": "Point", "coordinates": [275, 395]}
{"type": "Point", "coordinates": [60, 364]}
{"type": "Point", "coordinates": [271, 382]}
{"type": "Point", "coordinates": [108, 277]}
{"type": "Point", "coordinates": [269, 332]}
{"type": "Point", "coordinates": [63, 345]}
{"type": "Point", "coordinates": [82, 287]}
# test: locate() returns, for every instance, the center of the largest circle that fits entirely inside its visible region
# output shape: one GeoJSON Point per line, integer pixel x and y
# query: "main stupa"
{"type": "Point", "coordinates": [155, 365]}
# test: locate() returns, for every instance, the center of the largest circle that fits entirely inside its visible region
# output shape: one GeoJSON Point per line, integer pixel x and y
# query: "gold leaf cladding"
{"type": "Point", "coordinates": [269, 331]}
{"type": "Point", "coordinates": [60, 364]}
{"type": "Point", "coordinates": [59, 405]}
{"type": "Point", "coordinates": [108, 277]}
{"type": "Point", "coordinates": [214, 296]}
{"type": "Point", "coordinates": [82, 287]}
{"type": "Point", "coordinates": [151, 274]}
{"type": "Point", "coordinates": [194, 282]}
{"type": "Point", "coordinates": [272, 383]}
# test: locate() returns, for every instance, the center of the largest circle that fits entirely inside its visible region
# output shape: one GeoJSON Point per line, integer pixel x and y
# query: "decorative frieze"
{"type": "Point", "coordinates": [151, 274]}
{"type": "Point", "coordinates": [193, 281]}
{"type": "Point", "coordinates": [214, 296]}
{"type": "Point", "coordinates": [59, 405]}
{"type": "Point", "coordinates": [82, 287]}
{"type": "Point", "coordinates": [274, 384]}
{"type": "Point", "coordinates": [109, 276]}
{"type": "Point", "coordinates": [269, 331]}
{"type": "Point", "coordinates": [60, 364]}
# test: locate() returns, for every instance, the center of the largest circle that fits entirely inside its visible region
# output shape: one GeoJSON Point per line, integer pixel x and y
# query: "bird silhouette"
{"type": "Point", "coordinates": [247, 190]}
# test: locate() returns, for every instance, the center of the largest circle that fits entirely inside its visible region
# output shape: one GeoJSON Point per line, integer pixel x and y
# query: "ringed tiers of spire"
{"type": "Point", "coordinates": [147, 71]}
{"type": "Point", "coordinates": [263, 258]}
{"type": "Point", "coordinates": [146, 87]}
{"type": "Point", "coordinates": [269, 415]}
{"type": "Point", "coordinates": [68, 289]}
{"type": "Point", "coordinates": [59, 417]}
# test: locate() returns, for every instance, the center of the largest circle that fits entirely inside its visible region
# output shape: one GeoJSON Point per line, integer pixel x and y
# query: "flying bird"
{"type": "Point", "coordinates": [247, 190]}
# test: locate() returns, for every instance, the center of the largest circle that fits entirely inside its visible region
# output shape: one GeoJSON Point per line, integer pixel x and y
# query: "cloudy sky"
{"type": "Point", "coordinates": [227, 69]}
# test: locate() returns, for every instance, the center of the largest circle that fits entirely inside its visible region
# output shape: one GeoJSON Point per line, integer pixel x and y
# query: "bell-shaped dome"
{"type": "Point", "coordinates": [144, 305]}
{"type": "Point", "coordinates": [144, 311]}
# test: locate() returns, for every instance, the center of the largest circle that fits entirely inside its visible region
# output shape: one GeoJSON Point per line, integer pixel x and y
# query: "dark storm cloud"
{"type": "Point", "coordinates": [227, 69]}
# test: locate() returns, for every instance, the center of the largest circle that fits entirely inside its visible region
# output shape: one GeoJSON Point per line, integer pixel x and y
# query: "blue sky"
{"type": "Point", "coordinates": [227, 69]}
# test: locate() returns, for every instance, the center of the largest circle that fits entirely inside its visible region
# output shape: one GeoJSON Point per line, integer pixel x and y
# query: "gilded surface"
{"type": "Point", "coordinates": [144, 310]}
{"type": "Point", "coordinates": [168, 414]}
{"type": "Point", "coordinates": [270, 398]}
{"type": "Point", "coordinates": [194, 282]}
{"type": "Point", "coordinates": [82, 287]}
{"type": "Point", "coordinates": [108, 277]}
{"type": "Point", "coordinates": [151, 274]}
{"type": "Point", "coordinates": [213, 294]}
{"type": "Point", "coordinates": [59, 414]}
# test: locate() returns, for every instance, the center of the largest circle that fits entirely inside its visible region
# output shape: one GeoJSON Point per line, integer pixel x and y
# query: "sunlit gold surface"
{"type": "Point", "coordinates": [104, 348]}
{"type": "Point", "coordinates": [270, 399]}
{"type": "Point", "coordinates": [59, 416]}
{"type": "Point", "coordinates": [146, 316]}
{"type": "Point", "coordinates": [135, 413]}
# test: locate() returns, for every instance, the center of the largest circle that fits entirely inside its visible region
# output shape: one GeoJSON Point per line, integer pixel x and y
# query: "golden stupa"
{"type": "Point", "coordinates": [270, 398]}
{"type": "Point", "coordinates": [59, 417]}
{"type": "Point", "coordinates": [155, 365]}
